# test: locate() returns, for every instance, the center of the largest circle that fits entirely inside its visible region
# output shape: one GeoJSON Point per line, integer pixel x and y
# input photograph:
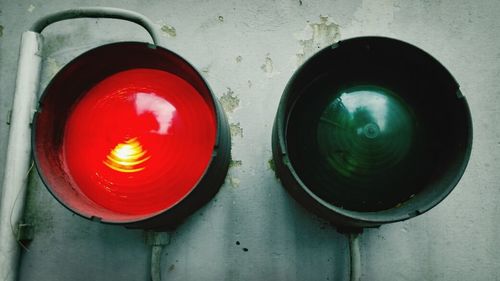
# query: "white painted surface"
{"type": "Point", "coordinates": [247, 51]}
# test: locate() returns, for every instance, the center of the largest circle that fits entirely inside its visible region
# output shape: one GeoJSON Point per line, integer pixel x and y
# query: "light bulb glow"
{"type": "Point", "coordinates": [126, 157]}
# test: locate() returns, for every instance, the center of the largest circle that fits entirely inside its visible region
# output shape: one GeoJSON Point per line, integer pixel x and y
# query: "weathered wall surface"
{"type": "Point", "coordinates": [247, 51]}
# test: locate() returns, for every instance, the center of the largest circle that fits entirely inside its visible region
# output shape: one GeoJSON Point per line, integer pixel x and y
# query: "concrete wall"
{"type": "Point", "coordinates": [247, 51]}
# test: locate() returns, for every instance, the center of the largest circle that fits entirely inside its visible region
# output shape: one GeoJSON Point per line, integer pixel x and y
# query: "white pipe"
{"type": "Point", "coordinates": [18, 152]}
{"type": "Point", "coordinates": [98, 12]}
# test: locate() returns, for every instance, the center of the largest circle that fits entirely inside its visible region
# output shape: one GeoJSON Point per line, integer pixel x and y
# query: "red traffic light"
{"type": "Point", "coordinates": [131, 134]}
{"type": "Point", "coordinates": [139, 141]}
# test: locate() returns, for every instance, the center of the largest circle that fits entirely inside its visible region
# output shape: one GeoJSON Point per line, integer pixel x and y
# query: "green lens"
{"type": "Point", "coordinates": [371, 130]}
{"type": "Point", "coordinates": [363, 133]}
{"type": "Point", "coordinates": [355, 146]}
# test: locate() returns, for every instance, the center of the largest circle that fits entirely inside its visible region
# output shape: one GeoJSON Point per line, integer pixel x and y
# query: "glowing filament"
{"type": "Point", "coordinates": [126, 157]}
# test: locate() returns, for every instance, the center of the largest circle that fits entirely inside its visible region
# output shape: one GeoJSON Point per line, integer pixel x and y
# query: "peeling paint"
{"type": "Point", "coordinates": [268, 66]}
{"type": "Point", "coordinates": [271, 165]}
{"type": "Point", "coordinates": [229, 101]}
{"type": "Point", "coordinates": [315, 37]}
{"type": "Point", "coordinates": [234, 182]}
{"type": "Point", "coordinates": [168, 30]}
{"type": "Point", "coordinates": [31, 8]}
{"type": "Point", "coordinates": [235, 163]}
{"type": "Point", "coordinates": [236, 129]}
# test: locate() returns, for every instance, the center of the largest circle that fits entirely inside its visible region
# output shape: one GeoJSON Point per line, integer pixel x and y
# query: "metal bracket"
{"type": "Point", "coordinates": [25, 232]}
{"type": "Point", "coordinates": [9, 116]}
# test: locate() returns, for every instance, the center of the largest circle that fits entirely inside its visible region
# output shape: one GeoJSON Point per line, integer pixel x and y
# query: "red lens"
{"type": "Point", "coordinates": [139, 141]}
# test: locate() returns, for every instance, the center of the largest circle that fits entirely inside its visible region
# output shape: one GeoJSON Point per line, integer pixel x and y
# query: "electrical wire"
{"type": "Point", "coordinates": [355, 256]}
{"type": "Point", "coordinates": [157, 240]}
{"type": "Point", "coordinates": [156, 252]}
{"type": "Point", "coordinates": [14, 231]}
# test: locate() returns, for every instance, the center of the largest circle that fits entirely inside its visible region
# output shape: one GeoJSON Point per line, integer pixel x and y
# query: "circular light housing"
{"type": "Point", "coordinates": [371, 130]}
{"type": "Point", "coordinates": [130, 133]}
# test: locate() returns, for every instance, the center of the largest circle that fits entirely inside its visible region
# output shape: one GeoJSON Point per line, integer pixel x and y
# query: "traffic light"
{"type": "Point", "coordinates": [371, 130]}
{"type": "Point", "coordinates": [130, 133]}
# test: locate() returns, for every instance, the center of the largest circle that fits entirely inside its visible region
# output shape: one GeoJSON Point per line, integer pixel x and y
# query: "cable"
{"type": "Point", "coordinates": [15, 231]}
{"type": "Point", "coordinates": [97, 12]}
{"type": "Point", "coordinates": [355, 256]}
{"type": "Point", "coordinates": [157, 240]}
{"type": "Point", "coordinates": [156, 251]}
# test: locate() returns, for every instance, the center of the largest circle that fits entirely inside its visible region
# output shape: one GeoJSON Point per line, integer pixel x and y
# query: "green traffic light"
{"type": "Point", "coordinates": [371, 130]}
{"type": "Point", "coordinates": [357, 148]}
